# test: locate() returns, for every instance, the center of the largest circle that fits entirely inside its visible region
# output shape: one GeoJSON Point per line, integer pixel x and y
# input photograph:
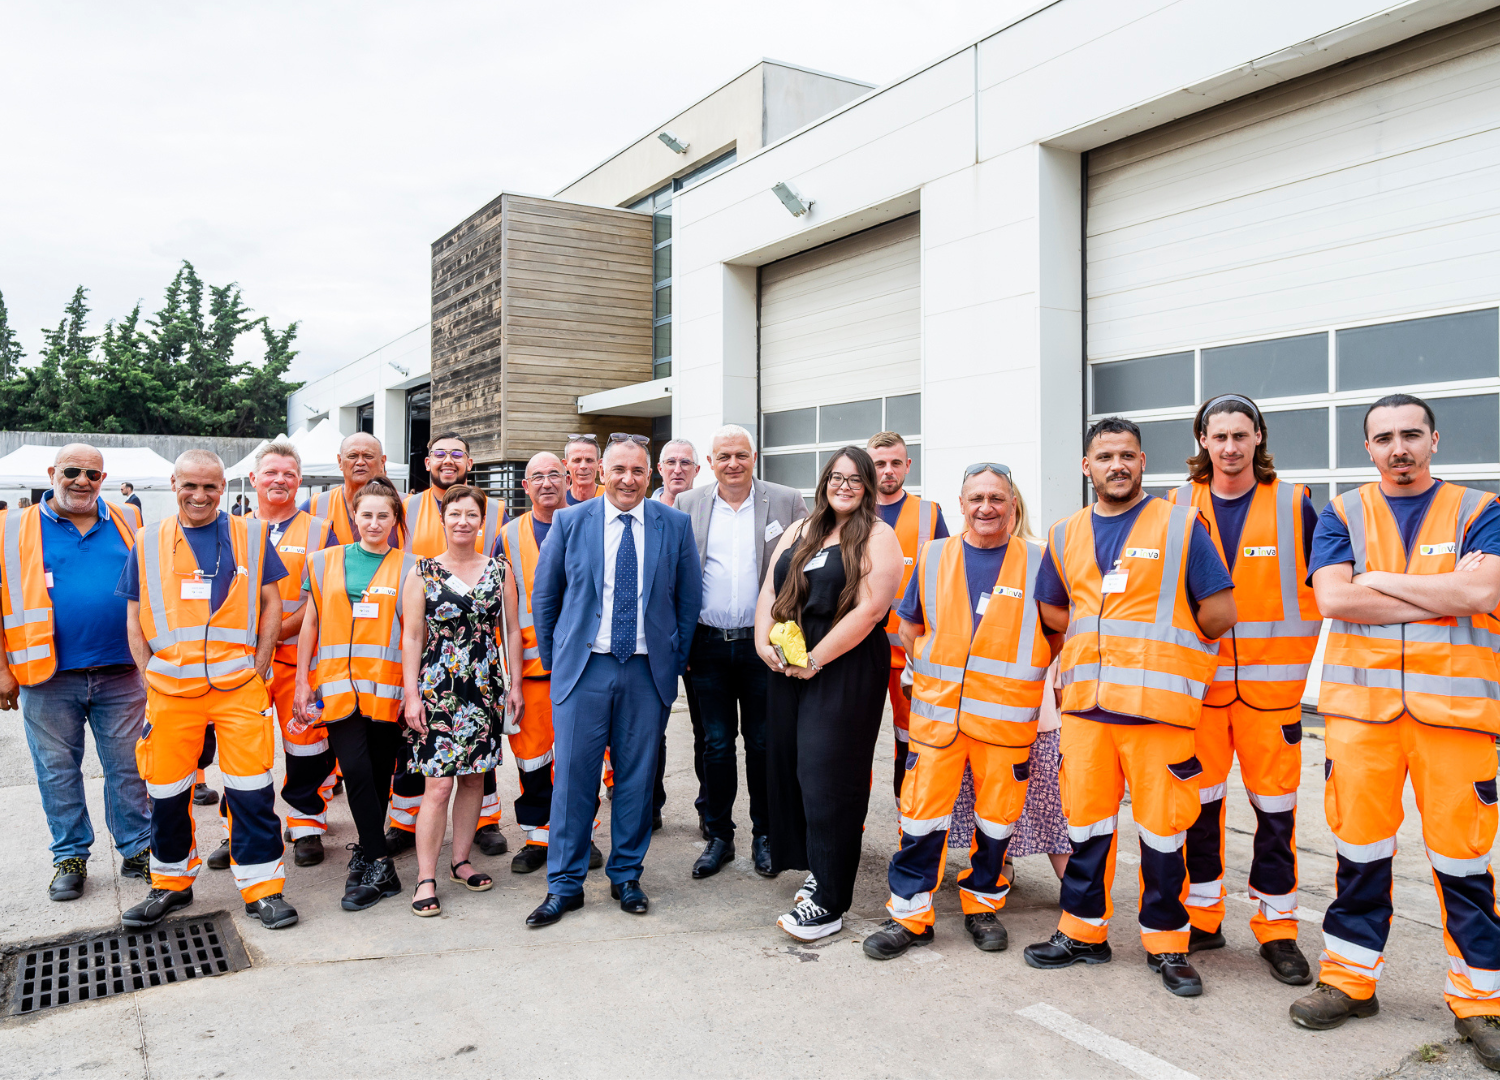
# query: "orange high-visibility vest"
{"type": "Point", "coordinates": [26, 599]}
{"type": "Point", "coordinates": [302, 532]}
{"type": "Point", "coordinates": [192, 649]}
{"type": "Point", "coordinates": [915, 526]}
{"type": "Point", "coordinates": [522, 552]}
{"type": "Point", "coordinates": [1138, 652]}
{"type": "Point", "coordinates": [358, 662]}
{"type": "Point", "coordinates": [985, 682]}
{"type": "Point", "coordinates": [1442, 671]}
{"type": "Point", "coordinates": [1263, 660]}
{"type": "Point", "coordinates": [424, 525]}
{"type": "Point", "coordinates": [333, 508]}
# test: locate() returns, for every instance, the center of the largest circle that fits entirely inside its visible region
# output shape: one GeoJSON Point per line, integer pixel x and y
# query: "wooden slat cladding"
{"type": "Point", "coordinates": [534, 303]}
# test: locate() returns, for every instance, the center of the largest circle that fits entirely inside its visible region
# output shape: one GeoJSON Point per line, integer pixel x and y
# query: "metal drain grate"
{"type": "Point", "coordinates": [119, 962]}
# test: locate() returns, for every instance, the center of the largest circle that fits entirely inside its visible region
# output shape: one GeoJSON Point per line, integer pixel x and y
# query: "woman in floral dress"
{"type": "Point", "coordinates": [459, 606]}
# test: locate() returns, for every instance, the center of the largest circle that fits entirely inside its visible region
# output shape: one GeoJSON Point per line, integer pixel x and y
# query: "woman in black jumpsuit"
{"type": "Point", "coordinates": [824, 719]}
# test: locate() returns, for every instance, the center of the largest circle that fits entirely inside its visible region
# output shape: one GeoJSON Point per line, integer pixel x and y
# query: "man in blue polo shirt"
{"type": "Point", "coordinates": [85, 674]}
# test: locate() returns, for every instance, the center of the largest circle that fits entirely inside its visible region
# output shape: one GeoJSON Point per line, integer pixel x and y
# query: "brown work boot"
{"type": "Point", "coordinates": [1484, 1033]}
{"type": "Point", "coordinates": [1328, 1007]}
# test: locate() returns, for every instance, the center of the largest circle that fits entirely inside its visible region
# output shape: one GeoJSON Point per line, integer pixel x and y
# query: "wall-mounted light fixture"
{"type": "Point", "coordinates": [676, 145]}
{"type": "Point", "coordinates": [311, 409]}
{"type": "Point", "coordinates": [792, 199]}
{"type": "Point", "coordinates": [404, 371]}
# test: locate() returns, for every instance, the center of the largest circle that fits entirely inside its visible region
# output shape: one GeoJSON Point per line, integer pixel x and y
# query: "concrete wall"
{"type": "Point", "coordinates": [986, 142]}
{"type": "Point", "coordinates": [168, 446]}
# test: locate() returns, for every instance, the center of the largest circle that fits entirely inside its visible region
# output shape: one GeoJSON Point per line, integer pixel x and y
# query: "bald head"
{"type": "Point", "coordinates": [77, 494]}
{"type": "Point", "coordinates": [546, 481]}
{"type": "Point", "coordinates": [360, 457]}
{"type": "Point", "coordinates": [197, 459]}
{"type": "Point", "coordinates": [198, 483]}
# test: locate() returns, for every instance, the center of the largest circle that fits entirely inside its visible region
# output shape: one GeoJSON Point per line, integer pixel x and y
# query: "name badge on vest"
{"type": "Point", "coordinates": [816, 562]}
{"type": "Point", "coordinates": [1438, 549]}
{"type": "Point", "coordinates": [365, 610]}
{"type": "Point", "coordinates": [1115, 580]}
{"type": "Point", "coordinates": [197, 590]}
{"type": "Point", "coordinates": [47, 577]}
{"type": "Point", "coordinates": [1142, 553]}
{"type": "Point", "coordinates": [773, 530]}
{"type": "Point", "coordinates": [458, 585]}
{"type": "Point", "coordinates": [1260, 552]}
{"type": "Point", "coordinates": [983, 605]}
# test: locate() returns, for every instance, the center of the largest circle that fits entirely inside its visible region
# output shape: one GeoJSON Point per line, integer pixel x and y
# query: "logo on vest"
{"type": "Point", "coordinates": [1260, 552]}
{"type": "Point", "coordinates": [1142, 553]}
{"type": "Point", "coordinates": [381, 590]}
{"type": "Point", "coordinates": [292, 549]}
{"type": "Point", "coordinates": [1002, 590]}
{"type": "Point", "coordinates": [909, 560]}
{"type": "Point", "coordinates": [1438, 549]}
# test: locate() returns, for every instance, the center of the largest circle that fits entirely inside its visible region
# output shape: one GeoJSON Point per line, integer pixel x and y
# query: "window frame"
{"type": "Point", "coordinates": [819, 446]}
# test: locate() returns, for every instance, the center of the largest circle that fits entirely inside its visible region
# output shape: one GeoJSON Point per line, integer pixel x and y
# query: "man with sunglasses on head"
{"type": "Point", "coordinates": [1143, 595]}
{"type": "Point", "coordinates": [917, 522]}
{"type": "Point", "coordinates": [581, 456]}
{"type": "Point", "coordinates": [67, 656]}
{"type": "Point", "coordinates": [1263, 528]}
{"type": "Point", "coordinates": [447, 463]}
{"type": "Point", "coordinates": [735, 524]}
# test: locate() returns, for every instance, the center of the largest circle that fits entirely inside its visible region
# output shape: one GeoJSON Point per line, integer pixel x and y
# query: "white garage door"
{"type": "Point", "coordinates": [1315, 246]}
{"type": "Point", "coordinates": [840, 349]}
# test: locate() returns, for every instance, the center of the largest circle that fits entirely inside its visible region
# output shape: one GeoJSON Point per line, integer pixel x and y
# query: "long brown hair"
{"type": "Point", "coordinates": [1201, 467]}
{"type": "Point", "coordinates": [854, 538]}
{"type": "Point", "coordinates": [380, 487]}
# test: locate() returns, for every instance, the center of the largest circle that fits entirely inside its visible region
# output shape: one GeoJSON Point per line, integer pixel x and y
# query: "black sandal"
{"type": "Point", "coordinates": [475, 882]}
{"type": "Point", "coordinates": [429, 906]}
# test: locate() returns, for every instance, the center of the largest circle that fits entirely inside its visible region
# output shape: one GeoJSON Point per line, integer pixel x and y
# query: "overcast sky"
{"type": "Point", "coordinates": [312, 152]}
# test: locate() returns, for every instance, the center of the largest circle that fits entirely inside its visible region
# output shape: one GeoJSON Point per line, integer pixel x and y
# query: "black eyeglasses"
{"type": "Point", "coordinates": [72, 471]}
{"type": "Point", "coordinates": [987, 466]}
{"type": "Point", "coordinates": [620, 436]}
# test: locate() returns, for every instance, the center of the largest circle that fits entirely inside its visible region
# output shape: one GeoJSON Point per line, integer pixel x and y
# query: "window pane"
{"type": "Point", "coordinates": [660, 369]}
{"type": "Point", "coordinates": [791, 428]}
{"type": "Point", "coordinates": [661, 228]}
{"type": "Point", "coordinates": [851, 422]}
{"type": "Point", "coordinates": [1351, 448]}
{"type": "Point", "coordinates": [904, 414]}
{"type": "Point", "coordinates": [1168, 444]}
{"type": "Point", "coordinates": [1482, 485]}
{"type": "Point", "coordinates": [1350, 485]}
{"type": "Point", "coordinates": [1319, 495]}
{"type": "Point", "coordinates": [663, 340]}
{"type": "Point", "coordinates": [1468, 429]}
{"type": "Point", "coordinates": [663, 263]}
{"type": "Point", "coordinates": [914, 477]}
{"type": "Point", "coordinates": [1259, 369]}
{"type": "Point", "coordinates": [1299, 439]}
{"type": "Point", "coordinates": [1152, 382]}
{"type": "Point", "coordinates": [793, 470]}
{"type": "Point", "coordinates": [1440, 349]}
{"type": "Point", "coordinates": [663, 301]}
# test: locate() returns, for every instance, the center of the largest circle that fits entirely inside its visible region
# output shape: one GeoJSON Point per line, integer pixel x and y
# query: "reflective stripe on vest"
{"type": "Point", "coordinates": [1264, 659]}
{"type": "Point", "coordinates": [522, 553]}
{"type": "Point", "coordinates": [914, 528]}
{"type": "Point", "coordinates": [424, 526]}
{"type": "Point", "coordinates": [1138, 652]}
{"type": "Point", "coordinates": [985, 681]}
{"type": "Point", "coordinates": [357, 665]}
{"type": "Point", "coordinates": [193, 648]}
{"type": "Point", "coordinates": [27, 601]}
{"type": "Point", "coordinates": [330, 506]}
{"type": "Point", "coordinates": [1441, 671]}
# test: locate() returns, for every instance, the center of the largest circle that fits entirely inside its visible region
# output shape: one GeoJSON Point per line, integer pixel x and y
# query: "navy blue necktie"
{"type": "Point", "coordinates": [622, 626]}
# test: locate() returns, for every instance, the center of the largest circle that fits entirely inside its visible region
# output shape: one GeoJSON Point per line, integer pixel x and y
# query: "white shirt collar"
{"type": "Point", "coordinates": [611, 511]}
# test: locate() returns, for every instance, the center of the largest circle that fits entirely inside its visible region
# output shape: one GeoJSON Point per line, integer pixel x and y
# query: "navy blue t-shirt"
{"type": "Point", "coordinates": [213, 550]}
{"type": "Point", "coordinates": [572, 501]}
{"type": "Point", "coordinates": [1231, 513]}
{"type": "Point", "coordinates": [539, 529]}
{"type": "Point", "coordinates": [890, 512]}
{"type": "Point", "coordinates": [1206, 576]}
{"type": "Point", "coordinates": [981, 569]}
{"type": "Point", "coordinates": [1331, 544]}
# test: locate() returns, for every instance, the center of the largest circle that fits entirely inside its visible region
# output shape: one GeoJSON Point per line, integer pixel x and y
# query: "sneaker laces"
{"type": "Point", "coordinates": [809, 887]}
{"type": "Point", "coordinates": [71, 866]}
{"type": "Point", "coordinates": [1174, 958]}
{"type": "Point", "coordinates": [808, 910]}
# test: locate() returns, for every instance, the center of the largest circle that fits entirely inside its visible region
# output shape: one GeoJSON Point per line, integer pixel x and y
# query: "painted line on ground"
{"type": "Point", "coordinates": [1106, 1046]}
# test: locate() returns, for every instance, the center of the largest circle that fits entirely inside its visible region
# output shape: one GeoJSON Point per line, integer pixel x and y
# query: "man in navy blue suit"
{"type": "Point", "coordinates": [615, 603]}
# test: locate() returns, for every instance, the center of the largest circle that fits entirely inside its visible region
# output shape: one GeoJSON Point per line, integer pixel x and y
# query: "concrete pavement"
{"type": "Point", "coordinates": [705, 984]}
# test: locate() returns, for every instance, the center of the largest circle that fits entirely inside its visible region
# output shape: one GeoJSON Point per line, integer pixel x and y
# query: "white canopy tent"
{"type": "Point", "coordinates": [26, 467]}
{"type": "Point", "coordinates": [319, 449]}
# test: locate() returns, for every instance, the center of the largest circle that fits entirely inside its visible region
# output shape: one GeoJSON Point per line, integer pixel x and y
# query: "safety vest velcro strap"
{"type": "Point", "coordinates": [1367, 853]}
{"type": "Point", "coordinates": [363, 686]}
{"type": "Point", "coordinates": [534, 763]}
{"type": "Point", "coordinates": [990, 711]}
{"type": "Point", "coordinates": [1079, 833]}
{"type": "Point", "coordinates": [1279, 628]}
{"type": "Point", "coordinates": [1263, 673]}
{"type": "Point", "coordinates": [196, 670]}
{"type": "Point", "coordinates": [1140, 631]}
{"type": "Point", "coordinates": [1458, 867]}
{"type": "Point", "coordinates": [1005, 669]}
{"type": "Point", "coordinates": [25, 656]}
{"type": "Point", "coordinates": [928, 711]}
{"type": "Point", "coordinates": [1158, 842]}
{"type": "Point", "coordinates": [31, 615]}
{"type": "Point", "coordinates": [920, 666]}
{"type": "Point", "coordinates": [363, 652]}
{"type": "Point", "coordinates": [253, 782]}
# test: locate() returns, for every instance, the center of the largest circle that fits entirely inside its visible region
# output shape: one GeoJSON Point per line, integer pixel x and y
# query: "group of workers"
{"type": "Point", "coordinates": [1181, 630]}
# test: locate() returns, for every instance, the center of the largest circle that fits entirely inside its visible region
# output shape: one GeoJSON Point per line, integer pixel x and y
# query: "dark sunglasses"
{"type": "Point", "coordinates": [987, 466]}
{"type": "Point", "coordinates": [620, 436]}
{"type": "Point", "coordinates": [94, 475]}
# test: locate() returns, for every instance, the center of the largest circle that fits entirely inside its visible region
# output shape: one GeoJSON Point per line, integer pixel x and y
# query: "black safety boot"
{"type": "Point", "coordinates": [378, 881]}
{"type": "Point", "coordinates": [491, 840]}
{"type": "Point", "coordinates": [273, 911]}
{"type": "Point", "coordinates": [988, 934]}
{"type": "Point", "coordinates": [67, 879]}
{"type": "Point", "coordinates": [159, 903]}
{"type": "Point", "coordinates": [1203, 940]}
{"type": "Point", "coordinates": [399, 840]}
{"type": "Point", "coordinates": [218, 859]}
{"type": "Point", "coordinates": [1177, 975]}
{"type": "Point", "coordinates": [1483, 1032]}
{"type": "Point", "coordinates": [893, 939]}
{"type": "Point", "coordinates": [307, 850]}
{"type": "Point", "coordinates": [1288, 965]}
{"type": "Point", "coordinates": [1060, 951]}
{"type": "Point", "coordinates": [1328, 1007]}
{"type": "Point", "coordinates": [530, 858]}
{"type": "Point", "coordinates": [137, 865]}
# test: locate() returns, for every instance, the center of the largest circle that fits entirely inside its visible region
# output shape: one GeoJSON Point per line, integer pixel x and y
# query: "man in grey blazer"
{"type": "Point", "coordinates": [736, 521]}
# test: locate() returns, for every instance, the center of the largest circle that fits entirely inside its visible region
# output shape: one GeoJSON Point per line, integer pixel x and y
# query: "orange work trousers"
{"type": "Point", "coordinates": [901, 721]}
{"type": "Point", "coordinates": [532, 749]}
{"type": "Point", "coordinates": [167, 755]}
{"type": "Point", "coordinates": [1453, 777]}
{"type": "Point", "coordinates": [310, 763]}
{"type": "Point", "coordinates": [1269, 745]}
{"type": "Point", "coordinates": [1158, 762]}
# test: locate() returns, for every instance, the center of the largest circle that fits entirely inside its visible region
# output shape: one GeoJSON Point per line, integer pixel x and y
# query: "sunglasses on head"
{"type": "Point", "coordinates": [620, 436]}
{"type": "Point", "coordinates": [987, 466]}
{"type": "Point", "coordinates": [71, 472]}
{"type": "Point", "coordinates": [583, 437]}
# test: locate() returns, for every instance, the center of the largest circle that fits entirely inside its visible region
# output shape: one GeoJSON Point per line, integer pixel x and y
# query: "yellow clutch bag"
{"type": "Point", "coordinates": [787, 636]}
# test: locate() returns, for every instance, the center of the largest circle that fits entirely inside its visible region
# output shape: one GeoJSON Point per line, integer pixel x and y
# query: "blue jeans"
{"type": "Point", "coordinates": [112, 701]}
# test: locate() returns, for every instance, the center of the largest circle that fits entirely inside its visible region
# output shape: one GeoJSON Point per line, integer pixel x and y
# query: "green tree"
{"type": "Point", "coordinates": [11, 353]}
